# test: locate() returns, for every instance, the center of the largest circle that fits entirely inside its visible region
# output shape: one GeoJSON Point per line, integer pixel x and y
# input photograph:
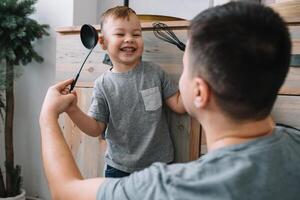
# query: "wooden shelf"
{"type": "Point", "coordinates": [175, 25]}
{"type": "Point", "coordinates": [289, 10]}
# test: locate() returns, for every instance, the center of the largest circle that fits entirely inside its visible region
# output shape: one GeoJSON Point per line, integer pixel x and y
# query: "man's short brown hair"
{"type": "Point", "coordinates": [242, 50]}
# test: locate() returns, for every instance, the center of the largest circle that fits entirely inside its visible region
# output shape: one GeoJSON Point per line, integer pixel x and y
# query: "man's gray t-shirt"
{"type": "Point", "coordinates": [265, 168]}
{"type": "Point", "coordinates": [131, 104]}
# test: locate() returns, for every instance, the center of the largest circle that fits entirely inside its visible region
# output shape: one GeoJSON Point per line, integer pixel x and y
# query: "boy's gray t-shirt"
{"type": "Point", "coordinates": [131, 104]}
{"type": "Point", "coordinates": [265, 168]}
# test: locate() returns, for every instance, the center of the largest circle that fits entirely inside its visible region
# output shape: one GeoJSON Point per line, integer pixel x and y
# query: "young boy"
{"type": "Point", "coordinates": [127, 101]}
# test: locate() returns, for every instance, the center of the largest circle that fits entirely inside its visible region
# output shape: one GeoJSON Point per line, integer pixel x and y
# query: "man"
{"type": "Point", "coordinates": [236, 60]}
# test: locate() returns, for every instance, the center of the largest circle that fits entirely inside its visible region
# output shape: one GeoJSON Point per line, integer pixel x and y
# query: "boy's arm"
{"type": "Point", "coordinates": [86, 123]}
{"type": "Point", "coordinates": [174, 102]}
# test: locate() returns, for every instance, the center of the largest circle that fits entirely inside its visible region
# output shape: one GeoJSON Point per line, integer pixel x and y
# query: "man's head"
{"type": "Point", "coordinates": [121, 35]}
{"type": "Point", "coordinates": [238, 54]}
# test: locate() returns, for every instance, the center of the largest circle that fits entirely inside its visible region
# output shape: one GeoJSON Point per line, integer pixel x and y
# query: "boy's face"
{"type": "Point", "coordinates": [122, 39]}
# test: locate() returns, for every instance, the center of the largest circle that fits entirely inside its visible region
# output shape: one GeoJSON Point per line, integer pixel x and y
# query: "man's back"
{"type": "Point", "coordinates": [265, 168]}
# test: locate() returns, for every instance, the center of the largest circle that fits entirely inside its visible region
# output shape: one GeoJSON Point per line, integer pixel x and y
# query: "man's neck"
{"type": "Point", "coordinates": [226, 132]}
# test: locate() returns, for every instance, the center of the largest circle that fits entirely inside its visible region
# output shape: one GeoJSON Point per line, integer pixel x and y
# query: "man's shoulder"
{"type": "Point", "coordinates": [288, 129]}
{"type": "Point", "coordinates": [292, 134]}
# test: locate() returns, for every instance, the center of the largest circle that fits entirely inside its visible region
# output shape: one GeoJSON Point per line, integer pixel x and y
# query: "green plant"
{"type": "Point", "coordinates": [17, 34]}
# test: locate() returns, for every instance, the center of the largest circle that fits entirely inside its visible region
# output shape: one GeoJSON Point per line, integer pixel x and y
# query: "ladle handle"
{"type": "Point", "coordinates": [77, 76]}
{"type": "Point", "coordinates": [74, 83]}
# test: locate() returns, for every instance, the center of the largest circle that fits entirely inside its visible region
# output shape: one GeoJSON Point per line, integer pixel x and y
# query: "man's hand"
{"type": "Point", "coordinates": [58, 99]}
{"type": "Point", "coordinates": [73, 106]}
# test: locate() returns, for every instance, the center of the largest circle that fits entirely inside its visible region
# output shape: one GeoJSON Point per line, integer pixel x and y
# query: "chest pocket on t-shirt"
{"type": "Point", "coordinates": [152, 98]}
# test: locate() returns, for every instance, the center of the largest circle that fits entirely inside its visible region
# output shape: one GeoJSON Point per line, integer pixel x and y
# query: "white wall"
{"type": "Point", "coordinates": [175, 8]}
{"type": "Point", "coordinates": [85, 12]}
{"type": "Point", "coordinates": [106, 4]}
{"type": "Point", "coordinates": [32, 85]}
{"type": "Point", "coordinates": [29, 93]}
{"type": "Point", "coordinates": [220, 2]}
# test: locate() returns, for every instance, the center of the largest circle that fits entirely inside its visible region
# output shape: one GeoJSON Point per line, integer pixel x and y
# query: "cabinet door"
{"type": "Point", "coordinates": [287, 106]}
{"type": "Point", "coordinates": [291, 85]}
{"type": "Point", "coordinates": [87, 151]}
{"type": "Point", "coordinates": [287, 110]}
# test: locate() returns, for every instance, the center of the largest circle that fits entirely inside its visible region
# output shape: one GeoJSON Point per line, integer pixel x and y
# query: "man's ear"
{"type": "Point", "coordinates": [102, 42]}
{"type": "Point", "coordinates": [202, 92]}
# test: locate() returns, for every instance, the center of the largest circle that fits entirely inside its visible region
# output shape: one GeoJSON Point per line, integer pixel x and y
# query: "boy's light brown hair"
{"type": "Point", "coordinates": [117, 12]}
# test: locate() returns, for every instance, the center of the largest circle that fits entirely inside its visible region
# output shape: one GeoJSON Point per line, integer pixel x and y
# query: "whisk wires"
{"type": "Point", "coordinates": [165, 33]}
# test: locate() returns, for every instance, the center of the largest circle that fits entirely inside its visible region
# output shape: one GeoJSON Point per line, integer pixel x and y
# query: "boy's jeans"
{"type": "Point", "coordinates": [111, 172]}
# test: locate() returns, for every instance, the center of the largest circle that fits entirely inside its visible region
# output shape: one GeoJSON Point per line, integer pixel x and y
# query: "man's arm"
{"type": "Point", "coordinates": [64, 178]}
{"type": "Point", "coordinates": [174, 102]}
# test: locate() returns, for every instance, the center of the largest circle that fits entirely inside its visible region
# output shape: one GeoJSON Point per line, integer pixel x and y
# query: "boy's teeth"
{"type": "Point", "coordinates": [128, 49]}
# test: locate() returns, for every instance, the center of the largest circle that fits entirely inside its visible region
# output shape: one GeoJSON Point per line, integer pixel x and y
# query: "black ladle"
{"type": "Point", "coordinates": [89, 39]}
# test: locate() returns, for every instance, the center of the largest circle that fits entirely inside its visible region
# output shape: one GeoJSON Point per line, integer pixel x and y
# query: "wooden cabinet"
{"type": "Point", "coordinates": [287, 106]}
{"type": "Point", "coordinates": [87, 151]}
{"type": "Point", "coordinates": [186, 132]}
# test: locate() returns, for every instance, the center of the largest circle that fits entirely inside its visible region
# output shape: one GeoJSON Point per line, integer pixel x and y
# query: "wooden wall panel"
{"type": "Point", "coordinates": [287, 110]}
{"type": "Point", "coordinates": [87, 151]}
{"type": "Point", "coordinates": [288, 9]}
{"type": "Point", "coordinates": [71, 53]}
{"type": "Point", "coordinates": [195, 139]}
{"type": "Point", "coordinates": [179, 126]}
{"type": "Point", "coordinates": [292, 83]}
{"type": "Point", "coordinates": [203, 147]}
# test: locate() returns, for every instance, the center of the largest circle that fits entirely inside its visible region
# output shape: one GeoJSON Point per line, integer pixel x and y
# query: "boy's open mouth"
{"type": "Point", "coordinates": [128, 49]}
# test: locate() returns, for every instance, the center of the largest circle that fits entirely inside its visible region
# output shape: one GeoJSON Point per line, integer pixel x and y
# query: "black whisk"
{"type": "Point", "coordinates": [163, 32]}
